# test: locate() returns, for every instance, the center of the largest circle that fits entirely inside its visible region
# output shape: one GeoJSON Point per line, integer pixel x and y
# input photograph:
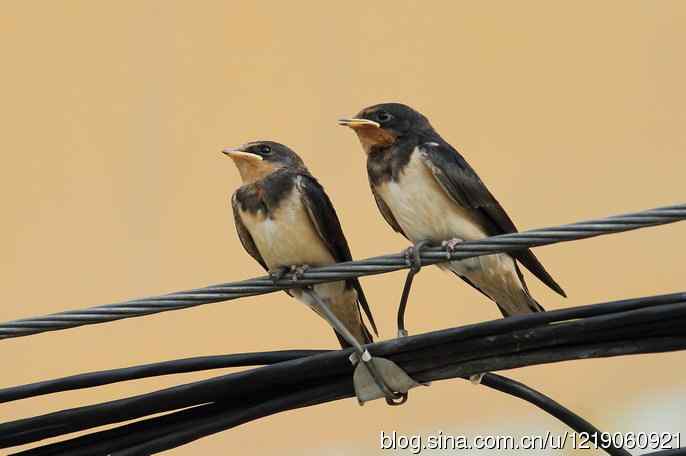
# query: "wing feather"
{"type": "Point", "coordinates": [244, 234]}
{"type": "Point", "coordinates": [386, 212]}
{"type": "Point", "coordinates": [464, 186]}
{"type": "Point", "coordinates": [328, 226]}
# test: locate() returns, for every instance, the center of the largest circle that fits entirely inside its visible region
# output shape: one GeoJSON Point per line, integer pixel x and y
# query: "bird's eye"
{"type": "Point", "coordinates": [383, 116]}
{"type": "Point", "coordinates": [265, 150]}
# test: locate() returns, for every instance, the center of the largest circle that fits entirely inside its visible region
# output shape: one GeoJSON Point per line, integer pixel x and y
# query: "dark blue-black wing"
{"type": "Point", "coordinates": [465, 187]}
{"type": "Point", "coordinates": [244, 234]}
{"type": "Point", "coordinates": [326, 222]}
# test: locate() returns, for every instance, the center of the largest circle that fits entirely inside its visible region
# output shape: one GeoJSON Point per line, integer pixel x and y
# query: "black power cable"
{"type": "Point", "coordinates": [571, 419]}
{"type": "Point", "coordinates": [179, 366]}
{"type": "Point", "coordinates": [643, 325]}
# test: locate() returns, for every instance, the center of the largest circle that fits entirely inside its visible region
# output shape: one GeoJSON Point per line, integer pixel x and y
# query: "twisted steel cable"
{"type": "Point", "coordinates": [370, 266]}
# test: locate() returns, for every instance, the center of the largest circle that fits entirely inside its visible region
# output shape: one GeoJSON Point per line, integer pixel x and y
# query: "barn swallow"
{"type": "Point", "coordinates": [285, 221]}
{"type": "Point", "coordinates": [427, 191]}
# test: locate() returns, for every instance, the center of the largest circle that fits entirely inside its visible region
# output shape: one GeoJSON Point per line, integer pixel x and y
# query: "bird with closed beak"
{"type": "Point", "coordinates": [285, 221]}
{"type": "Point", "coordinates": [427, 191]}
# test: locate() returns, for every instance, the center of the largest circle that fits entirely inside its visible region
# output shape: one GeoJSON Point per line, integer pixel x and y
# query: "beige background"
{"type": "Point", "coordinates": [112, 185]}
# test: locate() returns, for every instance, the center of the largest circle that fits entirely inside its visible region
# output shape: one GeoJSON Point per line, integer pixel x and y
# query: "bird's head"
{"type": "Point", "coordinates": [258, 159]}
{"type": "Point", "coordinates": [383, 124]}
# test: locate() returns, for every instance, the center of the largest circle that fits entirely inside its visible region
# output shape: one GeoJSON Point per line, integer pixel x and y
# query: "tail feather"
{"type": "Point", "coordinates": [348, 311]}
{"type": "Point", "coordinates": [524, 305]}
{"type": "Point", "coordinates": [512, 299]}
{"type": "Point", "coordinates": [520, 301]}
{"type": "Point", "coordinates": [368, 339]}
{"type": "Point", "coordinates": [529, 260]}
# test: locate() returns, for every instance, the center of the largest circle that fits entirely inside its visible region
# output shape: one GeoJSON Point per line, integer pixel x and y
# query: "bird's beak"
{"type": "Point", "coordinates": [358, 123]}
{"type": "Point", "coordinates": [238, 153]}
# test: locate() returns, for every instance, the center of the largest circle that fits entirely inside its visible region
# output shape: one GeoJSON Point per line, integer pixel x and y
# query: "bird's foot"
{"type": "Point", "coordinates": [451, 245]}
{"type": "Point", "coordinates": [402, 332]}
{"type": "Point", "coordinates": [413, 255]}
{"type": "Point", "coordinates": [277, 274]}
{"type": "Point", "coordinates": [298, 271]}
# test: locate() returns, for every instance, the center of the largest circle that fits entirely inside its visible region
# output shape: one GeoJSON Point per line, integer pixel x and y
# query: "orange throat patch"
{"type": "Point", "coordinates": [253, 170]}
{"type": "Point", "coordinates": [371, 136]}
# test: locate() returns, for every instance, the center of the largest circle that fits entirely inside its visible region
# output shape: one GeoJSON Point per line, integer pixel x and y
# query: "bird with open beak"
{"type": "Point", "coordinates": [286, 221]}
{"type": "Point", "coordinates": [427, 191]}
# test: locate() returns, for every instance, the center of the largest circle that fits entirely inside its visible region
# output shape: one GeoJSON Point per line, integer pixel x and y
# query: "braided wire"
{"type": "Point", "coordinates": [370, 266]}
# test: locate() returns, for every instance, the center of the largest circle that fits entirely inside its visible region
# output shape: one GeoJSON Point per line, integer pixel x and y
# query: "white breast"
{"type": "Point", "coordinates": [288, 237]}
{"type": "Point", "coordinates": [423, 209]}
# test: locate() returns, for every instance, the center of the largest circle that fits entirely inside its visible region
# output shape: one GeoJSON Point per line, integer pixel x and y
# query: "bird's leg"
{"type": "Point", "coordinates": [451, 245]}
{"type": "Point", "coordinates": [414, 259]}
{"type": "Point", "coordinates": [278, 273]}
{"type": "Point", "coordinates": [299, 270]}
{"type": "Point", "coordinates": [381, 377]}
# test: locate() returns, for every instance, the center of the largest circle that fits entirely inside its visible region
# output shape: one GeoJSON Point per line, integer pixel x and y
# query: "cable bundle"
{"type": "Point", "coordinates": [198, 409]}
{"type": "Point", "coordinates": [301, 378]}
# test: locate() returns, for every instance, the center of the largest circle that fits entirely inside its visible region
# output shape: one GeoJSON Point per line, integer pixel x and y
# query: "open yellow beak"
{"type": "Point", "coordinates": [358, 123]}
{"type": "Point", "coordinates": [238, 153]}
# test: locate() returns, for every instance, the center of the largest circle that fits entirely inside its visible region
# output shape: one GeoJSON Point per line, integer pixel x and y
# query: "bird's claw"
{"type": "Point", "coordinates": [413, 255]}
{"type": "Point", "coordinates": [278, 273]}
{"type": "Point", "coordinates": [299, 271]}
{"type": "Point", "coordinates": [450, 246]}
